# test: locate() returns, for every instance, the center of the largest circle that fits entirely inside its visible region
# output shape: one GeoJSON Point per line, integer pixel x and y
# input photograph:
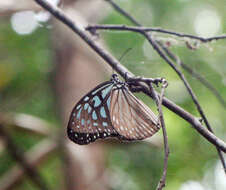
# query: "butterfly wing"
{"type": "Point", "coordinates": [130, 117]}
{"type": "Point", "coordinates": [90, 118]}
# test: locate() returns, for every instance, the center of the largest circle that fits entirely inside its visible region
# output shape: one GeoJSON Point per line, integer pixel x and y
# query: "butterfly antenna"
{"type": "Point", "coordinates": [125, 52]}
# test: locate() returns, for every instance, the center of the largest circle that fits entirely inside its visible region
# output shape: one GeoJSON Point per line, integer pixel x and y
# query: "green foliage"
{"type": "Point", "coordinates": [26, 66]}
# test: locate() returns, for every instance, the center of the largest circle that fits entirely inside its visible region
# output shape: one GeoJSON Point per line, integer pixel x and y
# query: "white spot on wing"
{"type": "Point", "coordinates": [86, 98]}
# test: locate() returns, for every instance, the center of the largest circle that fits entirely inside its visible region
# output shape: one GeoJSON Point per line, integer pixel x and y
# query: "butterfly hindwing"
{"type": "Point", "coordinates": [90, 118]}
{"type": "Point", "coordinates": [130, 117]}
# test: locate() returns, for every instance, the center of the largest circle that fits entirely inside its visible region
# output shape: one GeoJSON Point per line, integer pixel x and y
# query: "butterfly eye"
{"type": "Point", "coordinates": [111, 110]}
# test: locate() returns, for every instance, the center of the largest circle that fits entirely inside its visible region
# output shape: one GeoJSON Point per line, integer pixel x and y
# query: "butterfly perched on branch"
{"type": "Point", "coordinates": [111, 110]}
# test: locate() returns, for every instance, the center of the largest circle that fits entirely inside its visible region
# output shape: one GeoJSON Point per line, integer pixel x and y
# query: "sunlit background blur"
{"type": "Point", "coordinates": [45, 69]}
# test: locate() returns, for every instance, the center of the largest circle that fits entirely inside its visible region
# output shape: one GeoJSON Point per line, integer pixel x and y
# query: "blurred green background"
{"type": "Point", "coordinates": [26, 67]}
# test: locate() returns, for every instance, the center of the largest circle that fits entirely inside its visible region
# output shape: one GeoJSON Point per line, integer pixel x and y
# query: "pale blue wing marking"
{"type": "Point", "coordinates": [94, 115]}
{"type": "Point", "coordinates": [79, 113]}
{"type": "Point", "coordinates": [109, 102]}
{"type": "Point", "coordinates": [97, 101]}
{"type": "Point", "coordinates": [105, 124]}
{"type": "Point", "coordinates": [95, 124]}
{"type": "Point", "coordinates": [103, 113]}
{"type": "Point", "coordinates": [106, 91]}
{"type": "Point", "coordinates": [88, 121]}
{"type": "Point", "coordinates": [83, 122]}
{"type": "Point", "coordinates": [89, 109]}
{"type": "Point", "coordinates": [94, 92]}
{"type": "Point", "coordinates": [86, 106]}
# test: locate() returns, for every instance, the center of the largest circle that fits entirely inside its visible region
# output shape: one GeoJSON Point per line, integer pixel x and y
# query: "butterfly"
{"type": "Point", "coordinates": [111, 110]}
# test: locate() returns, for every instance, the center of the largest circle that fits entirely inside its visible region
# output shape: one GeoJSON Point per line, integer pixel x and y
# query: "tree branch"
{"type": "Point", "coordinates": [122, 70]}
{"type": "Point", "coordinates": [122, 12]}
{"type": "Point", "coordinates": [141, 29]}
{"type": "Point", "coordinates": [162, 181]}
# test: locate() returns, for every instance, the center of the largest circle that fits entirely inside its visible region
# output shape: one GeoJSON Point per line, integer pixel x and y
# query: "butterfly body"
{"type": "Point", "coordinates": [111, 110]}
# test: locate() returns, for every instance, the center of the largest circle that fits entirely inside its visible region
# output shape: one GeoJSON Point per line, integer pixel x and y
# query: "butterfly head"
{"type": "Point", "coordinates": [117, 82]}
{"type": "Point", "coordinates": [114, 78]}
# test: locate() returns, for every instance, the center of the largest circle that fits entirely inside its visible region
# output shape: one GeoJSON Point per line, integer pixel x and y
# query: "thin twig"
{"type": "Point", "coordinates": [158, 100]}
{"type": "Point", "coordinates": [135, 22]}
{"type": "Point", "coordinates": [162, 181]}
{"type": "Point", "coordinates": [209, 86]}
{"type": "Point", "coordinates": [148, 29]}
{"type": "Point", "coordinates": [18, 155]}
{"type": "Point", "coordinates": [122, 70]}
{"type": "Point", "coordinates": [122, 12]}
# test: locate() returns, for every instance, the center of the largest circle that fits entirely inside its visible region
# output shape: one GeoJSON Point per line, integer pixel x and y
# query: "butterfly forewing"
{"type": "Point", "coordinates": [130, 117]}
{"type": "Point", "coordinates": [90, 118]}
